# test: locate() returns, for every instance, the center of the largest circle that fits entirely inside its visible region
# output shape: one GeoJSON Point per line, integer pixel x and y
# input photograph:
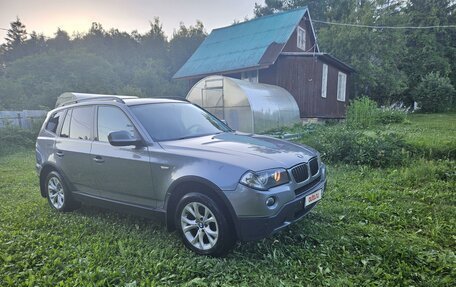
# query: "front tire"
{"type": "Point", "coordinates": [57, 193]}
{"type": "Point", "coordinates": [203, 225]}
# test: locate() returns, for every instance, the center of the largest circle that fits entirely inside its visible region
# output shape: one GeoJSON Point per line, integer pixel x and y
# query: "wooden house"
{"type": "Point", "coordinates": [279, 49]}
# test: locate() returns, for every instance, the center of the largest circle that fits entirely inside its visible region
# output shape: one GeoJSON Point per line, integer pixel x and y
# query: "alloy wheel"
{"type": "Point", "coordinates": [199, 226]}
{"type": "Point", "coordinates": [55, 192]}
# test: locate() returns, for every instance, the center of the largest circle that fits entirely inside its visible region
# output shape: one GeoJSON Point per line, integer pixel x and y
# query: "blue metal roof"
{"type": "Point", "coordinates": [242, 45]}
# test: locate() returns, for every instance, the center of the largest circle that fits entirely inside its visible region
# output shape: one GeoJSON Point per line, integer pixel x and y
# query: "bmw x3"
{"type": "Point", "coordinates": [212, 184]}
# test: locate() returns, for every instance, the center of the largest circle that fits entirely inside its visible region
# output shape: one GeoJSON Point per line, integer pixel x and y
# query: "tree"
{"type": "Point", "coordinates": [270, 7]}
{"type": "Point", "coordinates": [15, 38]}
{"type": "Point", "coordinates": [154, 42]}
{"type": "Point", "coordinates": [124, 51]}
{"type": "Point", "coordinates": [98, 61]}
{"type": "Point", "coordinates": [153, 80]}
{"type": "Point", "coordinates": [319, 8]}
{"type": "Point", "coordinates": [61, 40]}
{"type": "Point", "coordinates": [430, 50]}
{"type": "Point", "coordinates": [95, 40]}
{"type": "Point", "coordinates": [40, 78]}
{"type": "Point", "coordinates": [34, 45]}
{"type": "Point", "coordinates": [434, 93]}
{"type": "Point", "coordinates": [184, 42]}
{"type": "Point", "coordinates": [374, 53]}
{"type": "Point", "coordinates": [450, 50]}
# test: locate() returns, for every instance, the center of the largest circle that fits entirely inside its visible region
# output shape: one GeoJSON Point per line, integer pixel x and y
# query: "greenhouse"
{"type": "Point", "coordinates": [245, 106]}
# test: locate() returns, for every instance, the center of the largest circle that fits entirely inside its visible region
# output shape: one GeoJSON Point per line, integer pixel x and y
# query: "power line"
{"type": "Point", "coordinates": [384, 27]}
{"type": "Point", "coordinates": [4, 29]}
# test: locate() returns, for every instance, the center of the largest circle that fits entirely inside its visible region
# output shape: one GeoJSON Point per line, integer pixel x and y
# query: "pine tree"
{"type": "Point", "coordinates": [15, 38]}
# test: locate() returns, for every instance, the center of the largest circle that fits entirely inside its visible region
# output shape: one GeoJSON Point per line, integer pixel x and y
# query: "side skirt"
{"type": "Point", "coordinates": [120, 206]}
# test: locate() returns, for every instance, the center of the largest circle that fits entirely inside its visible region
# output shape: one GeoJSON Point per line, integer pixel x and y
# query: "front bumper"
{"type": "Point", "coordinates": [255, 228]}
{"type": "Point", "coordinates": [262, 221]}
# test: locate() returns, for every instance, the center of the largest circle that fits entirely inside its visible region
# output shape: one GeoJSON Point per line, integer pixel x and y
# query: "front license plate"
{"type": "Point", "coordinates": [311, 198]}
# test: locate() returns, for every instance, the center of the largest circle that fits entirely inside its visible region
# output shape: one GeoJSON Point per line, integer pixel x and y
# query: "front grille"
{"type": "Point", "coordinates": [308, 186]}
{"type": "Point", "coordinates": [313, 163]}
{"type": "Point", "coordinates": [300, 173]}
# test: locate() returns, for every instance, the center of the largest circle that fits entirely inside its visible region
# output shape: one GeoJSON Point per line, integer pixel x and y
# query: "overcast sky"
{"type": "Point", "coordinates": [45, 16]}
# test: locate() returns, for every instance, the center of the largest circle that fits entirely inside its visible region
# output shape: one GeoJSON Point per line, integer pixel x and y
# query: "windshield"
{"type": "Point", "coordinates": [173, 121]}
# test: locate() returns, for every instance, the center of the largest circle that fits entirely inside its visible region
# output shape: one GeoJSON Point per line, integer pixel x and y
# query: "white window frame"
{"type": "Point", "coordinates": [341, 86]}
{"type": "Point", "coordinates": [250, 76]}
{"type": "Point", "coordinates": [324, 81]}
{"type": "Point", "coordinates": [301, 38]}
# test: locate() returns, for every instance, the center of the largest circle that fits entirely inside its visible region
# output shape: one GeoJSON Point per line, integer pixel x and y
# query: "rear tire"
{"type": "Point", "coordinates": [203, 225]}
{"type": "Point", "coordinates": [58, 194]}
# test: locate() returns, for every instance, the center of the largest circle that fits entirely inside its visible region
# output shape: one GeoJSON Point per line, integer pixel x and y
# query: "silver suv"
{"type": "Point", "coordinates": [214, 185]}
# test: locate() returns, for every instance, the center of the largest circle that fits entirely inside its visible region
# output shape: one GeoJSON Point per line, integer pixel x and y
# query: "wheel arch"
{"type": "Point", "coordinates": [188, 184]}
{"type": "Point", "coordinates": [45, 170]}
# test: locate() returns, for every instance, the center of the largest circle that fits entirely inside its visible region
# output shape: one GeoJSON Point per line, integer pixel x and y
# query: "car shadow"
{"type": "Point", "coordinates": [299, 234]}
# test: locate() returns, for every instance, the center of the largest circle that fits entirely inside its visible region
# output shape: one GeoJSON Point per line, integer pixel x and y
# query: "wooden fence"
{"type": "Point", "coordinates": [24, 119]}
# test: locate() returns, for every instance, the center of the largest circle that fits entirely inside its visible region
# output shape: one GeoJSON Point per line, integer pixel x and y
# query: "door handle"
{"type": "Point", "coordinates": [98, 159]}
{"type": "Point", "coordinates": [59, 153]}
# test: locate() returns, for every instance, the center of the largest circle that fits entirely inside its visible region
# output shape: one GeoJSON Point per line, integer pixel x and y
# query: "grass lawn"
{"type": "Point", "coordinates": [434, 134]}
{"type": "Point", "coordinates": [374, 227]}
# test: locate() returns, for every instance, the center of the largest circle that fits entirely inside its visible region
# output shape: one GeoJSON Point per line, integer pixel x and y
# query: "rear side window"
{"type": "Point", "coordinates": [54, 121]}
{"type": "Point", "coordinates": [81, 123]}
{"type": "Point", "coordinates": [112, 119]}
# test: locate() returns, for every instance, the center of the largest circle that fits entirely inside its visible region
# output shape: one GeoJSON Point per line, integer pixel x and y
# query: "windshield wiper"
{"type": "Point", "coordinates": [194, 136]}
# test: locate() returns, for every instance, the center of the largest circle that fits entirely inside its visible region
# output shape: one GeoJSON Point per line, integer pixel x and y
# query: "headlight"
{"type": "Point", "coordinates": [266, 179]}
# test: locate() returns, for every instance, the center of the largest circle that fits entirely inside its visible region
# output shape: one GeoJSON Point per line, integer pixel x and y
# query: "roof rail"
{"type": "Point", "coordinates": [113, 98]}
{"type": "Point", "coordinates": [72, 98]}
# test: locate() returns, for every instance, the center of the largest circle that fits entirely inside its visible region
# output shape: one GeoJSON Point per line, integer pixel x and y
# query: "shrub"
{"type": "Point", "coordinates": [391, 116]}
{"type": "Point", "coordinates": [335, 143]}
{"type": "Point", "coordinates": [434, 93]}
{"type": "Point", "coordinates": [349, 146]}
{"type": "Point", "coordinates": [362, 113]}
{"type": "Point", "coordinates": [13, 139]}
{"type": "Point", "coordinates": [382, 150]}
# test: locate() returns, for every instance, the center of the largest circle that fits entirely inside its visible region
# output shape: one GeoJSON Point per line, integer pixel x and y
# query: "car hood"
{"type": "Point", "coordinates": [253, 152]}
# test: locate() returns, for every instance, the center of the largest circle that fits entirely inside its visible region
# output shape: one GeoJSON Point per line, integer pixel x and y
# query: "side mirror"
{"type": "Point", "coordinates": [123, 138]}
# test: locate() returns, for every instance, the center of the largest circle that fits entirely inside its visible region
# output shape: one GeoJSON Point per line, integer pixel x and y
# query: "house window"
{"type": "Point", "coordinates": [324, 81]}
{"type": "Point", "coordinates": [250, 76]}
{"type": "Point", "coordinates": [341, 86]}
{"type": "Point", "coordinates": [301, 38]}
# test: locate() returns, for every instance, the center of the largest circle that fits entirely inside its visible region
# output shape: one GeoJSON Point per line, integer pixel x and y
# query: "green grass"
{"type": "Point", "coordinates": [374, 227]}
{"type": "Point", "coordinates": [429, 136]}
{"type": "Point", "coordinates": [433, 134]}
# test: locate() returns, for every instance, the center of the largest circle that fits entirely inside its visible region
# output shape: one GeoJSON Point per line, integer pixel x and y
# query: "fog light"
{"type": "Point", "coordinates": [270, 201]}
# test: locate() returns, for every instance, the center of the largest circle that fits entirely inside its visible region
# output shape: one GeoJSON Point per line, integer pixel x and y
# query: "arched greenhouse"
{"type": "Point", "coordinates": [245, 106]}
